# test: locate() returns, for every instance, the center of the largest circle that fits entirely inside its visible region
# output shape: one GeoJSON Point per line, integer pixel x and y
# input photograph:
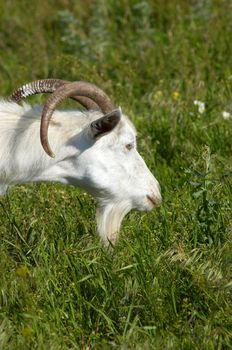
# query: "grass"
{"type": "Point", "coordinates": [167, 284]}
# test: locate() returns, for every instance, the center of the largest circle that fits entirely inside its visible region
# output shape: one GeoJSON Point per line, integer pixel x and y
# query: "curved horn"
{"type": "Point", "coordinates": [80, 88]}
{"type": "Point", "coordinates": [47, 85]}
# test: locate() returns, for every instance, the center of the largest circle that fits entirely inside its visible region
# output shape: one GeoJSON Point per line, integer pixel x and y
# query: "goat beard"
{"type": "Point", "coordinates": [109, 217]}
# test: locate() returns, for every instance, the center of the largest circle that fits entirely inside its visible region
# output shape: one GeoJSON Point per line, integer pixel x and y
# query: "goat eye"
{"type": "Point", "coordinates": [129, 146]}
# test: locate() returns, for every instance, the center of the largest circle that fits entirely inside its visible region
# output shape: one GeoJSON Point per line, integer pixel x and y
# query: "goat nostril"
{"type": "Point", "coordinates": [152, 200]}
{"type": "Point", "coordinates": [155, 200]}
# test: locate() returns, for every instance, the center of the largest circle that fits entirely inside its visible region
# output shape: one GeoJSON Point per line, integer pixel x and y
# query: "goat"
{"type": "Point", "coordinates": [95, 150]}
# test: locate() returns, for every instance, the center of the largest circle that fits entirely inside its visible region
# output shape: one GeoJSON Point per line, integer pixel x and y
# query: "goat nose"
{"type": "Point", "coordinates": [154, 200]}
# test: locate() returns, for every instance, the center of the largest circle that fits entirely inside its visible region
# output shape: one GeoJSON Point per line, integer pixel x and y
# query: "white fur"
{"type": "Point", "coordinates": [117, 177]}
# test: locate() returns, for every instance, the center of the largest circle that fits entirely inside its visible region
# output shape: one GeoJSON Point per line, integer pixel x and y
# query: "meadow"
{"type": "Point", "coordinates": [167, 284]}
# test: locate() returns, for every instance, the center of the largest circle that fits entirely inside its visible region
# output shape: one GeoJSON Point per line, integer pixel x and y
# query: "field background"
{"type": "Point", "coordinates": [168, 282]}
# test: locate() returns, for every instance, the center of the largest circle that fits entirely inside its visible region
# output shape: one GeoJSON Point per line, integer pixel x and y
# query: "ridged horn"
{"type": "Point", "coordinates": [80, 88]}
{"type": "Point", "coordinates": [47, 86]}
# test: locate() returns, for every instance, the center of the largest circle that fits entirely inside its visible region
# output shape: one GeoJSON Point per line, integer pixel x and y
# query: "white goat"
{"type": "Point", "coordinates": [95, 150]}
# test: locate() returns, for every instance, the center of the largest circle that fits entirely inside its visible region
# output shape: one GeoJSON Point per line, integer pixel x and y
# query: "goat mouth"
{"type": "Point", "coordinates": [152, 200]}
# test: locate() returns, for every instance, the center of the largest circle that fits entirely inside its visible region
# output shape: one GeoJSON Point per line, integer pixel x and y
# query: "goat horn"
{"type": "Point", "coordinates": [80, 88]}
{"type": "Point", "coordinates": [47, 85]}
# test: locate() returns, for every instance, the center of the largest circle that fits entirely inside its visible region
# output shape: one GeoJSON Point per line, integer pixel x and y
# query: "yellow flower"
{"type": "Point", "coordinates": [157, 95]}
{"type": "Point", "coordinates": [176, 95]}
{"type": "Point", "coordinates": [22, 271]}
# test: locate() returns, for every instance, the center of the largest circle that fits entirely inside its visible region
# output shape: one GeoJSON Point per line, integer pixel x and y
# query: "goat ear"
{"type": "Point", "coordinates": [105, 124]}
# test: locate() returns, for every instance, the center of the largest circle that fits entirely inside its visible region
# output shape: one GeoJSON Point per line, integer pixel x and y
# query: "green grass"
{"type": "Point", "coordinates": [168, 282]}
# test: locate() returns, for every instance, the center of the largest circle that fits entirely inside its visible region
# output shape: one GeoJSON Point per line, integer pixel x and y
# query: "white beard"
{"type": "Point", "coordinates": [109, 218]}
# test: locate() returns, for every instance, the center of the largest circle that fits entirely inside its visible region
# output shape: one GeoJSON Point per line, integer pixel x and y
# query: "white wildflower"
{"type": "Point", "coordinates": [226, 115]}
{"type": "Point", "coordinates": [200, 105]}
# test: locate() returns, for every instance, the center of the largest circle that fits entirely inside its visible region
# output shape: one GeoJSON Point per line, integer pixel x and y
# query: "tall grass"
{"type": "Point", "coordinates": [167, 284]}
